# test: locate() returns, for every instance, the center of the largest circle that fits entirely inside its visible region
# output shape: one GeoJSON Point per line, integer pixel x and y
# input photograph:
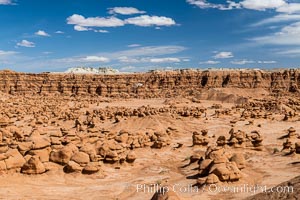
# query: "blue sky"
{"type": "Point", "coordinates": [139, 35]}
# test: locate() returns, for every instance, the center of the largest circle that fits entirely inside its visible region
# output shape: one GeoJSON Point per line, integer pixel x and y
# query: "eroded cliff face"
{"type": "Point", "coordinates": [150, 85]}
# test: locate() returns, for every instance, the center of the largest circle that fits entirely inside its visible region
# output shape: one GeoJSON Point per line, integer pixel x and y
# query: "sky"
{"type": "Point", "coordinates": [141, 35]}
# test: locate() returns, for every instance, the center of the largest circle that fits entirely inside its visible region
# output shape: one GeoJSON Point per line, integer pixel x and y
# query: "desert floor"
{"type": "Point", "coordinates": [167, 165]}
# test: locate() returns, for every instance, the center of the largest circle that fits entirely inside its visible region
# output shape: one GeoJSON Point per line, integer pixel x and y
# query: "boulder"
{"type": "Point", "coordinates": [61, 156]}
{"type": "Point", "coordinates": [81, 158]}
{"type": "Point", "coordinates": [72, 167]}
{"type": "Point", "coordinates": [43, 154]}
{"type": "Point", "coordinates": [212, 179]}
{"type": "Point", "coordinates": [33, 166]}
{"type": "Point", "coordinates": [14, 160]}
{"type": "Point", "coordinates": [130, 158]}
{"type": "Point", "coordinates": [90, 169]}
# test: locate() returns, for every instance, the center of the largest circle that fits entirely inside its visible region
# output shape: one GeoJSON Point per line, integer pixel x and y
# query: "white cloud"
{"type": "Point", "coordinates": [223, 55]}
{"type": "Point", "coordinates": [150, 51]}
{"type": "Point", "coordinates": [59, 32]}
{"type": "Point", "coordinates": [95, 59]}
{"type": "Point", "coordinates": [289, 8]}
{"type": "Point", "coordinates": [86, 59]}
{"type": "Point", "coordinates": [80, 20]}
{"type": "Point", "coordinates": [125, 59]}
{"type": "Point", "coordinates": [203, 4]}
{"type": "Point", "coordinates": [42, 33]}
{"type": "Point", "coordinates": [134, 45]}
{"type": "Point", "coordinates": [101, 31]}
{"type": "Point", "coordinates": [278, 19]}
{"type": "Point", "coordinates": [81, 28]}
{"type": "Point", "coordinates": [125, 11]}
{"type": "Point", "coordinates": [84, 24]}
{"type": "Point", "coordinates": [128, 69]}
{"type": "Point", "coordinates": [294, 52]}
{"type": "Point", "coordinates": [210, 62]}
{"type": "Point", "coordinates": [7, 53]}
{"type": "Point", "coordinates": [6, 2]}
{"type": "Point", "coordinates": [288, 35]}
{"type": "Point", "coordinates": [165, 60]}
{"type": "Point", "coordinates": [262, 4]}
{"type": "Point", "coordinates": [267, 62]}
{"type": "Point", "coordinates": [146, 20]}
{"type": "Point", "coordinates": [242, 62]}
{"type": "Point", "coordinates": [26, 43]}
{"type": "Point", "coordinates": [140, 55]}
{"type": "Point", "coordinates": [279, 5]}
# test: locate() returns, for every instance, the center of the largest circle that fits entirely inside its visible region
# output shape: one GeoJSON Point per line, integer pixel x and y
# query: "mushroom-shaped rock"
{"type": "Point", "coordinates": [212, 179]}
{"type": "Point", "coordinates": [72, 167]}
{"type": "Point", "coordinates": [221, 141]}
{"type": "Point", "coordinates": [33, 166]}
{"type": "Point", "coordinates": [61, 156]}
{"type": "Point", "coordinates": [130, 158]}
{"type": "Point", "coordinates": [90, 169]}
{"type": "Point", "coordinates": [81, 158]}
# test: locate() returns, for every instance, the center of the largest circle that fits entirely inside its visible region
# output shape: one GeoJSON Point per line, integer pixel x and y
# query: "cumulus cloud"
{"type": "Point", "coordinates": [146, 20]}
{"type": "Point", "coordinates": [262, 4]}
{"type": "Point", "coordinates": [80, 28]}
{"type": "Point", "coordinates": [59, 32]}
{"type": "Point", "coordinates": [242, 62]}
{"type": "Point", "coordinates": [223, 55]}
{"type": "Point", "coordinates": [203, 4]}
{"type": "Point", "coordinates": [42, 33]}
{"type": "Point", "coordinates": [125, 11]}
{"type": "Point", "coordinates": [84, 24]}
{"type": "Point", "coordinates": [282, 6]}
{"type": "Point", "coordinates": [289, 8]}
{"type": "Point", "coordinates": [26, 43]}
{"type": "Point", "coordinates": [80, 20]}
{"type": "Point", "coordinates": [210, 62]}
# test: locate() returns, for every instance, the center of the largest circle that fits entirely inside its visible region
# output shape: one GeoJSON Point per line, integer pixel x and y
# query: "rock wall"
{"type": "Point", "coordinates": [151, 84]}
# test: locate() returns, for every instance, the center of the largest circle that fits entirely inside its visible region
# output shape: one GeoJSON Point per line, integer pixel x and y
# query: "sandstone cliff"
{"type": "Point", "coordinates": [151, 84]}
